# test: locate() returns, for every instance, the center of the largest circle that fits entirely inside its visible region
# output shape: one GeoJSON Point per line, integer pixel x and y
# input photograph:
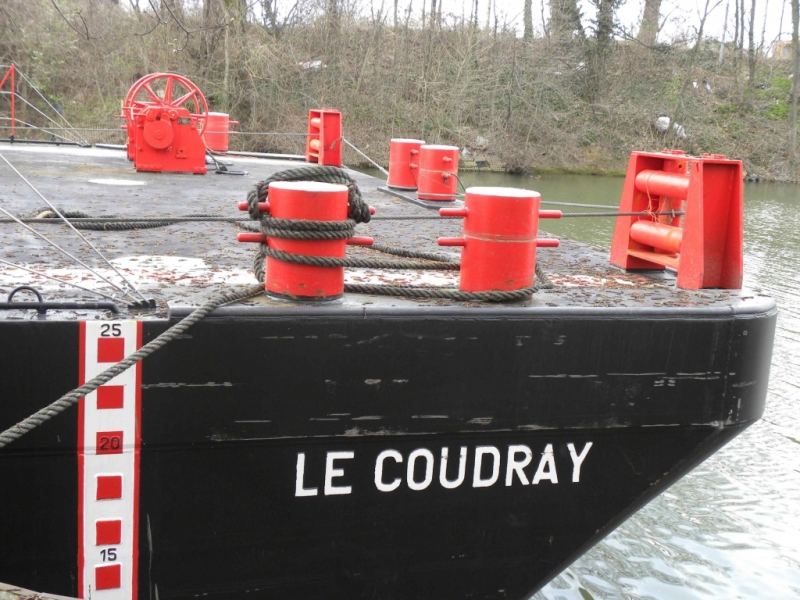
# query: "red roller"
{"type": "Point", "coordinates": [657, 235]}
{"type": "Point", "coordinates": [659, 183]}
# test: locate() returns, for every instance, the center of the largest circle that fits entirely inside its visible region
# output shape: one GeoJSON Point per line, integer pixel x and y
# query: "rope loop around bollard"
{"type": "Point", "coordinates": [358, 212]}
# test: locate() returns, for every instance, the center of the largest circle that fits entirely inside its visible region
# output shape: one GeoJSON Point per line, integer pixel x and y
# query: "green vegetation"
{"type": "Point", "coordinates": [568, 103]}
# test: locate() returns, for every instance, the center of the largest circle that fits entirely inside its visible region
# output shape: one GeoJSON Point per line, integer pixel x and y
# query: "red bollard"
{"type": "Point", "coordinates": [707, 249]}
{"type": "Point", "coordinates": [438, 173]}
{"type": "Point", "coordinates": [313, 201]}
{"type": "Point", "coordinates": [324, 140]}
{"type": "Point", "coordinates": [216, 133]}
{"type": "Point", "coordinates": [404, 164]}
{"type": "Point", "coordinates": [500, 226]}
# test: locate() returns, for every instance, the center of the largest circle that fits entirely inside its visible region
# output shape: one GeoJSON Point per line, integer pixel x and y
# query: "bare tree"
{"type": "Point", "coordinates": [565, 20]}
{"type": "Point", "coordinates": [648, 30]}
{"type": "Point", "coordinates": [795, 77]}
{"type": "Point", "coordinates": [751, 51]}
{"type": "Point", "coordinates": [528, 20]}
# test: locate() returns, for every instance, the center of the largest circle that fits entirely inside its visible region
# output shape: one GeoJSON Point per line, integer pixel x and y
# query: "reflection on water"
{"type": "Point", "coordinates": [731, 528]}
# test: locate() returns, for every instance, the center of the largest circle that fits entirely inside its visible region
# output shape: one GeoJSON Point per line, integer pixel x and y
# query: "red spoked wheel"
{"type": "Point", "coordinates": [169, 90]}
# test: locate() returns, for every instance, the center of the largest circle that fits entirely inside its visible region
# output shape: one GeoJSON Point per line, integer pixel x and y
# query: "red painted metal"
{"type": "Point", "coordinates": [217, 129]}
{"type": "Point", "coordinates": [500, 226]}
{"type": "Point", "coordinates": [660, 183]}
{"type": "Point", "coordinates": [167, 139]}
{"type": "Point", "coordinates": [404, 163]}
{"type": "Point", "coordinates": [177, 92]}
{"type": "Point", "coordinates": [658, 235]}
{"type": "Point", "coordinates": [324, 140]}
{"type": "Point", "coordinates": [11, 74]}
{"type": "Point", "coordinates": [438, 172]}
{"type": "Point", "coordinates": [707, 250]}
{"type": "Point", "coordinates": [316, 202]}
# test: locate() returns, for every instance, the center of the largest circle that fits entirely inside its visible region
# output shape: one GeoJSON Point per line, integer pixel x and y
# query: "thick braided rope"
{"type": "Point", "coordinates": [442, 293]}
{"type": "Point", "coordinates": [357, 209]}
{"type": "Point", "coordinates": [358, 263]}
{"type": "Point", "coordinates": [67, 400]}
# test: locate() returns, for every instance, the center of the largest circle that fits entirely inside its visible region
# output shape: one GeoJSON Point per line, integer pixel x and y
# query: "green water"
{"type": "Point", "coordinates": [731, 528]}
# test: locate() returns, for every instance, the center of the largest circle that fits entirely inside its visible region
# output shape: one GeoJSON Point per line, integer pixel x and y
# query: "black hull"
{"type": "Point", "coordinates": [228, 409]}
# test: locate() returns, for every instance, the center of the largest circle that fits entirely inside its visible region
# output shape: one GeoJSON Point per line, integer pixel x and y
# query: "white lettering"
{"type": "Point", "coordinates": [462, 469]}
{"type": "Point", "coordinates": [386, 487]}
{"type": "Point", "coordinates": [331, 474]}
{"type": "Point", "coordinates": [480, 452]}
{"type": "Point", "coordinates": [515, 466]}
{"type": "Point", "coordinates": [549, 461]}
{"type": "Point", "coordinates": [299, 490]}
{"type": "Point", "coordinates": [412, 459]}
{"type": "Point", "coordinates": [577, 460]}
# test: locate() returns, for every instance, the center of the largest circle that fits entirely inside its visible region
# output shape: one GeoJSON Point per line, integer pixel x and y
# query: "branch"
{"type": "Point", "coordinates": [75, 29]}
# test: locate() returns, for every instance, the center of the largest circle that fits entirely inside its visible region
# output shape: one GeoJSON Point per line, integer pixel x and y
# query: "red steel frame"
{"type": "Point", "coordinates": [11, 72]}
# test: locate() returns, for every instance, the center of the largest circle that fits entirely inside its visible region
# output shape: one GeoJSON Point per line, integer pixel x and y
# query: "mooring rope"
{"type": "Point", "coordinates": [312, 230]}
{"type": "Point", "coordinates": [17, 431]}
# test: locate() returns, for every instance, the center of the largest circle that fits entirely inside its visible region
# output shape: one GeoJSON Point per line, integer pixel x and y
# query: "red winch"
{"type": "Point", "coordinates": [500, 226]}
{"type": "Point", "coordinates": [165, 118]}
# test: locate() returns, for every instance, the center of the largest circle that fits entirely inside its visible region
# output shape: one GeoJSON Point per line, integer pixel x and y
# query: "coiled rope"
{"type": "Point", "coordinates": [67, 400]}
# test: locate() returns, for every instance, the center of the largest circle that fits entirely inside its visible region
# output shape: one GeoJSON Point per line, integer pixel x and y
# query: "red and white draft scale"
{"type": "Point", "coordinates": [108, 463]}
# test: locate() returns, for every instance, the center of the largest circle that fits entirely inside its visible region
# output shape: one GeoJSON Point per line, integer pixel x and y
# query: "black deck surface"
{"type": "Point", "coordinates": [183, 264]}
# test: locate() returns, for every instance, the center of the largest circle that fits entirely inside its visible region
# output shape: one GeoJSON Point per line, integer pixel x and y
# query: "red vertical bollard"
{"type": "Point", "coordinates": [438, 172]}
{"type": "Point", "coordinates": [500, 227]}
{"type": "Point", "coordinates": [313, 201]}
{"type": "Point", "coordinates": [404, 163]}
{"type": "Point", "coordinates": [217, 129]}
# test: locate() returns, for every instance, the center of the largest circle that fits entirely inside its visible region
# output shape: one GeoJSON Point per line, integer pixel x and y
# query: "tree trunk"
{"type": "Point", "coordinates": [648, 30]}
{"type": "Point", "coordinates": [795, 77]}
{"type": "Point", "coordinates": [565, 20]}
{"type": "Point", "coordinates": [751, 52]}
{"type": "Point", "coordinates": [528, 20]}
{"type": "Point", "coordinates": [724, 31]}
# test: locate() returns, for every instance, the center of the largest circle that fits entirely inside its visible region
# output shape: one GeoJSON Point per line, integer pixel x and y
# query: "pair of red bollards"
{"type": "Point", "coordinates": [499, 240]}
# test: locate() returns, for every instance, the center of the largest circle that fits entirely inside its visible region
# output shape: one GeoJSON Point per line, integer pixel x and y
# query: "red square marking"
{"type": "Point", "coordinates": [107, 577]}
{"type": "Point", "coordinates": [108, 532]}
{"type": "Point", "coordinates": [109, 487]}
{"type": "Point", "coordinates": [109, 442]}
{"type": "Point", "coordinates": [110, 396]}
{"type": "Point", "coordinates": [110, 349]}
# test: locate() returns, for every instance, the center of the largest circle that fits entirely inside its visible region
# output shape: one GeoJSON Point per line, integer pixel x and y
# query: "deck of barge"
{"type": "Point", "coordinates": [183, 264]}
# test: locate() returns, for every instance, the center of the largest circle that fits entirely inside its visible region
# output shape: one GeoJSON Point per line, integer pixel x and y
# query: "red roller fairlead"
{"type": "Point", "coordinates": [707, 249]}
{"type": "Point", "coordinates": [499, 242]}
{"type": "Point", "coordinates": [217, 129]}
{"type": "Point", "coordinates": [324, 140]}
{"type": "Point", "coordinates": [438, 173]}
{"type": "Point", "coordinates": [313, 201]}
{"type": "Point", "coordinates": [404, 163]}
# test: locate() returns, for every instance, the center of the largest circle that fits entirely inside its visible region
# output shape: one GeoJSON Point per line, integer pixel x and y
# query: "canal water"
{"type": "Point", "coordinates": [731, 528]}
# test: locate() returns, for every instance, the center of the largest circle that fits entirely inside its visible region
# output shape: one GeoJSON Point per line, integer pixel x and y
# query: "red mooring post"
{"type": "Point", "coordinates": [707, 250]}
{"type": "Point", "coordinates": [217, 129]}
{"type": "Point", "coordinates": [324, 139]}
{"type": "Point", "coordinates": [310, 201]}
{"type": "Point", "coordinates": [438, 173]}
{"type": "Point", "coordinates": [500, 226]}
{"type": "Point", "coordinates": [404, 163]}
